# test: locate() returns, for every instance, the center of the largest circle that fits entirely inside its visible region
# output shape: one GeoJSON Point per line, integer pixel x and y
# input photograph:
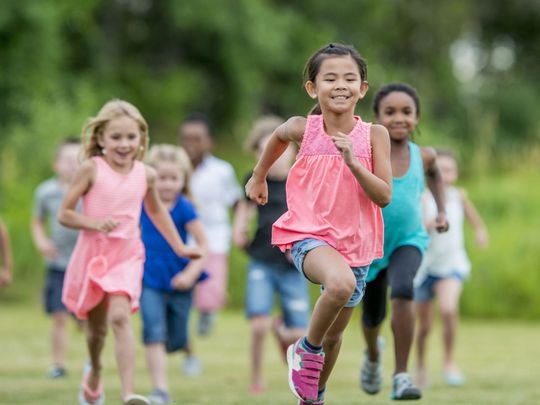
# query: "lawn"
{"type": "Point", "coordinates": [500, 360]}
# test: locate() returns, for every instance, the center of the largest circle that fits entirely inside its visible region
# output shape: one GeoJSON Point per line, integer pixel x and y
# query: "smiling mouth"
{"type": "Point", "coordinates": [342, 98]}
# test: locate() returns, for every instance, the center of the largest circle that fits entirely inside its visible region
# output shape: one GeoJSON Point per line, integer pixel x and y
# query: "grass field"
{"type": "Point", "coordinates": [501, 361]}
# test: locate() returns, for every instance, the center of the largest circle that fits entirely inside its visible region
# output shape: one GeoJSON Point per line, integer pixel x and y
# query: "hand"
{"type": "Point", "coordinates": [183, 281]}
{"type": "Point", "coordinates": [257, 190]}
{"type": "Point", "coordinates": [344, 145]}
{"type": "Point", "coordinates": [5, 277]}
{"type": "Point", "coordinates": [190, 252]}
{"type": "Point", "coordinates": [48, 249]}
{"type": "Point", "coordinates": [105, 225]}
{"type": "Point", "coordinates": [441, 223]}
{"type": "Point", "coordinates": [481, 238]}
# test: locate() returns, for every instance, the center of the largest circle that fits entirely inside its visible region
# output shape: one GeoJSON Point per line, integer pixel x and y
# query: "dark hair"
{"type": "Point", "coordinates": [395, 87]}
{"type": "Point", "coordinates": [198, 118]}
{"type": "Point", "coordinates": [314, 63]}
{"type": "Point", "coordinates": [447, 153]}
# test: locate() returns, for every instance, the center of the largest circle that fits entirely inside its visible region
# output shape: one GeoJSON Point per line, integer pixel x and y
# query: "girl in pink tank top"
{"type": "Point", "coordinates": [103, 278]}
{"type": "Point", "coordinates": [333, 226]}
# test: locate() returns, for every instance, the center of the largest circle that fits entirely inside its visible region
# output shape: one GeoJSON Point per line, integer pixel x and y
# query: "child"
{"type": "Point", "coordinates": [397, 107]}
{"type": "Point", "coordinates": [6, 274]}
{"type": "Point", "coordinates": [270, 271]}
{"type": "Point", "coordinates": [168, 279]}
{"type": "Point", "coordinates": [103, 277]}
{"type": "Point", "coordinates": [55, 243]}
{"type": "Point", "coordinates": [333, 226]}
{"type": "Point", "coordinates": [444, 268]}
{"type": "Point", "coordinates": [216, 190]}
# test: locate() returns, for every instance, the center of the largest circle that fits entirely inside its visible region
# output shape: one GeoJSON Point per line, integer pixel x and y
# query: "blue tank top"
{"type": "Point", "coordinates": [403, 224]}
{"type": "Point", "coordinates": [162, 263]}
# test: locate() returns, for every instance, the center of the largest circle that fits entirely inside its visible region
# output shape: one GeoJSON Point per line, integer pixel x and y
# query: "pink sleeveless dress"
{"type": "Point", "coordinates": [326, 202]}
{"type": "Point", "coordinates": [108, 263]}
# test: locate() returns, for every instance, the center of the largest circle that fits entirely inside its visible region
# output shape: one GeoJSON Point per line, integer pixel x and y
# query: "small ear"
{"type": "Point", "coordinates": [310, 89]}
{"type": "Point", "coordinates": [364, 87]}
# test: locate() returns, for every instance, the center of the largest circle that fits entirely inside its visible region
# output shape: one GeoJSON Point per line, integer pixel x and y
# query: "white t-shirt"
{"type": "Point", "coordinates": [446, 251]}
{"type": "Point", "coordinates": [215, 190]}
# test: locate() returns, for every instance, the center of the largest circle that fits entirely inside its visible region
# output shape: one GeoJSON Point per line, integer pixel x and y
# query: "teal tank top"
{"type": "Point", "coordinates": [403, 223]}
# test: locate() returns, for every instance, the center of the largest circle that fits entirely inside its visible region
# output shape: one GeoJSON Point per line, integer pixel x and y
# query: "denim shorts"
{"type": "Point", "coordinates": [165, 317]}
{"type": "Point", "coordinates": [264, 280]}
{"type": "Point", "coordinates": [426, 292]}
{"type": "Point", "coordinates": [301, 248]}
{"type": "Point", "coordinates": [52, 292]}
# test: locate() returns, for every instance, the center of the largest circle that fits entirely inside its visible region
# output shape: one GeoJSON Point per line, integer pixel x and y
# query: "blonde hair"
{"type": "Point", "coordinates": [172, 154]}
{"type": "Point", "coordinates": [111, 110]}
{"type": "Point", "coordinates": [264, 126]}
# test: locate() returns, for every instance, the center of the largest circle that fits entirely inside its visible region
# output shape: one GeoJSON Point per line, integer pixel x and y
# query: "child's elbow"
{"type": "Point", "coordinates": [384, 199]}
{"type": "Point", "coordinates": [62, 218]}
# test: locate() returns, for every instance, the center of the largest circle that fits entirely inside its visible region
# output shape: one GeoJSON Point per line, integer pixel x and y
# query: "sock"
{"type": "Point", "coordinates": [309, 347]}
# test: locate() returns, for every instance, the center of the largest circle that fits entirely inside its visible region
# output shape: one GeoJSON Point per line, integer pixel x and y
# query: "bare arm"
{"type": "Point", "coordinates": [188, 277]}
{"type": "Point", "coordinates": [290, 131]}
{"type": "Point", "coordinates": [377, 185]}
{"type": "Point", "coordinates": [162, 220]}
{"type": "Point", "coordinates": [243, 213]}
{"type": "Point", "coordinates": [41, 240]}
{"type": "Point", "coordinates": [436, 186]}
{"type": "Point", "coordinates": [474, 218]}
{"type": "Point", "coordinates": [6, 274]}
{"type": "Point", "coordinates": [429, 221]}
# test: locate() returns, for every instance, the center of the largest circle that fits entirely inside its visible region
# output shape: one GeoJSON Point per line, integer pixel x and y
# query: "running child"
{"type": "Point", "coordinates": [6, 274]}
{"type": "Point", "coordinates": [168, 280]}
{"type": "Point", "coordinates": [216, 190]}
{"type": "Point", "coordinates": [397, 107]}
{"type": "Point", "coordinates": [270, 272]}
{"type": "Point", "coordinates": [333, 226]}
{"type": "Point", "coordinates": [444, 269]}
{"type": "Point", "coordinates": [55, 243]}
{"type": "Point", "coordinates": [104, 274]}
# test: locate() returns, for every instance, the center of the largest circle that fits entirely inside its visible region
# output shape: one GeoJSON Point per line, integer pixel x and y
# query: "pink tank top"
{"type": "Point", "coordinates": [117, 196]}
{"type": "Point", "coordinates": [326, 202]}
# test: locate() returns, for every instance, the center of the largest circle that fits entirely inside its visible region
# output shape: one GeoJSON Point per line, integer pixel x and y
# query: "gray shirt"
{"type": "Point", "coordinates": [47, 201]}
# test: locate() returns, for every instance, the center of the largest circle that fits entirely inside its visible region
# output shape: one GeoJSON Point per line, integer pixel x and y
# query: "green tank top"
{"type": "Point", "coordinates": [403, 223]}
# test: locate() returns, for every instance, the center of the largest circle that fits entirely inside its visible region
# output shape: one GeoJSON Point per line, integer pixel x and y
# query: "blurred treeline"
{"type": "Point", "coordinates": [475, 64]}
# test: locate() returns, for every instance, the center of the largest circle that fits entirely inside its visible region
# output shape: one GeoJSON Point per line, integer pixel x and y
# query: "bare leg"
{"type": "Point", "coordinates": [59, 337]}
{"type": "Point", "coordinates": [448, 292]}
{"type": "Point", "coordinates": [96, 331]}
{"type": "Point", "coordinates": [339, 286]}
{"type": "Point", "coordinates": [260, 325]}
{"type": "Point", "coordinates": [156, 360]}
{"type": "Point", "coordinates": [403, 330]}
{"type": "Point", "coordinates": [119, 316]}
{"type": "Point", "coordinates": [371, 335]}
{"type": "Point", "coordinates": [425, 321]}
{"type": "Point", "coordinates": [332, 343]}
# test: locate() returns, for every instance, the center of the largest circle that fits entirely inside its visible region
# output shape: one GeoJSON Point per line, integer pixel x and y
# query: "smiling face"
{"type": "Point", "coordinates": [448, 168]}
{"type": "Point", "coordinates": [398, 113]}
{"type": "Point", "coordinates": [67, 161]}
{"type": "Point", "coordinates": [121, 142]}
{"type": "Point", "coordinates": [338, 85]}
{"type": "Point", "coordinates": [170, 181]}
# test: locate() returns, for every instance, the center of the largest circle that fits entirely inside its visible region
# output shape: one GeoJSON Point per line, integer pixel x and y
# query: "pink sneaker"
{"type": "Point", "coordinates": [304, 372]}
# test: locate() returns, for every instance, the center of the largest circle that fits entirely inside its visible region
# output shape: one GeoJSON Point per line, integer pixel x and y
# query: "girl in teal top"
{"type": "Point", "coordinates": [397, 107]}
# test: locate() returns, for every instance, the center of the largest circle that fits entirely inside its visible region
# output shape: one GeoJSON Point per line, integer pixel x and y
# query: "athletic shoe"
{"type": "Point", "coordinates": [256, 389]}
{"type": "Point", "coordinates": [158, 396]}
{"type": "Point", "coordinates": [206, 323]}
{"type": "Point", "coordinates": [192, 366]}
{"type": "Point", "coordinates": [371, 375]}
{"type": "Point", "coordinates": [56, 372]}
{"type": "Point", "coordinates": [135, 399]}
{"type": "Point", "coordinates": [455, 379]}
{"type": "Point", "coordinates": [304, 371]}
{"type": "Point", "coordinates": [403, 388]}
{"type": "Point", "coordinates": [319, 401]}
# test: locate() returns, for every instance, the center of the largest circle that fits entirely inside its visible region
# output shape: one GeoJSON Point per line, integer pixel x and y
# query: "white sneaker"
{"type": "Point", "coordinates": [403, 388]}
{"type": "Point", "coordinates": [192, 366]}
{"type": "Point", "coordinates": [371, 376]}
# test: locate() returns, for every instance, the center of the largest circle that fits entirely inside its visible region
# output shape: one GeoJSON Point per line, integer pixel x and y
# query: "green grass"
{"type": "Point", "coordinates": [500, 360]}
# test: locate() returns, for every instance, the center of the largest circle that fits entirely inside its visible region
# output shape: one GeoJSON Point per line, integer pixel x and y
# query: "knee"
{"type": "Point", "coordinates": [404, 291]}
{"type": "Point", "coordinates": [341, 288]}
{"type": "Point", "coordinates": [259, 326]}
{"type": "Point", "coordinates": [119, 318]}
{"type": "Point", "coordinates": [96, 333]}
{"type": "Point", "coordinates": [448, 313]}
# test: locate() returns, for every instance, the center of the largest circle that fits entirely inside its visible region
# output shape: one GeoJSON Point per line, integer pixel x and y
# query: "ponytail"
{"type": "Point", "coordinates": [315, 110]}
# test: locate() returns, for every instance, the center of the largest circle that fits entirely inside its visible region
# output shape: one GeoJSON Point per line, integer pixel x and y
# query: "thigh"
{"type": "Point", "coordinates": [294, 296]}
{"type": "Point", "coordinates": [324, 263]}
{"type": "Point", "coordinates": [448, 291]}
{"type": "Point", "coordinates": [403, 265]}
{"type": "Point", "coordinates": [374, 302]}
{"type": "Point", "coordinates": [259, 289]}
{"type": "Point", "coordinates": [153, 314]}
{"type": "Point", "coordinates": [52, 293]}
{"type": "Point", "coordinates": [178, 310]}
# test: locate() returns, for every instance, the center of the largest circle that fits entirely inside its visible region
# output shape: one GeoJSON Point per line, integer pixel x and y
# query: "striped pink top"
{"type": "Point", "coordinates": [326, 202]}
